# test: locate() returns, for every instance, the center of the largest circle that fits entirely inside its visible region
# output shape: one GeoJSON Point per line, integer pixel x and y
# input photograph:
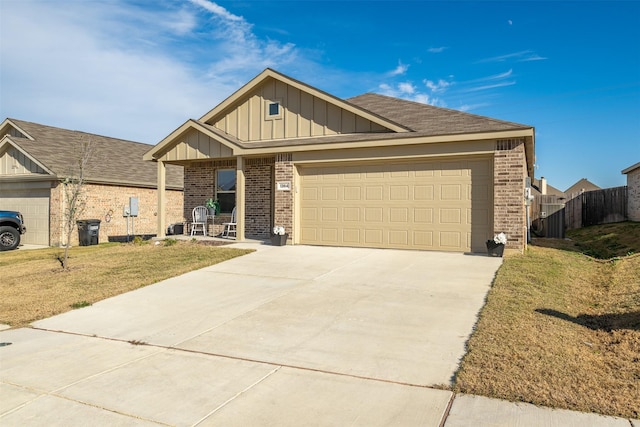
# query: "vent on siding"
{"type": "Point", "coordinates": [507, 144]}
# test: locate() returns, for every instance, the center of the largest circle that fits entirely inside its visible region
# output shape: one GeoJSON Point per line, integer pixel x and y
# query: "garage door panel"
{"type": "Point", "coordinates": [399, 237]}
{"type": "Point", "coordinates": [330, 235]}
{"type": "Point", "coordinates": [423, 192]}
{"type": "Point", "coordinates": [374, 192]}
{"type": "Point", "coordinates": [438, 205]}
{"type": "Point", "coordinates": [34, 206]}
{"type": "Point", "coordinates": [351, 236]}
{"type": "Point", "coordinates": [330, 214]}
{"type": "Point", "coordinates": [450, 239]}
{"type": "Point", "coordinates": [450, 192]}
{"type": "Point", "coordinates": [423, 239]}
{"type": "Point", "coordinates": [373, 236]}
{"type": "Point", "coordinates": [352, 193]}
{"type": "Point", "coordinates": [310, 214]}
{"type": "Point", "coordinates": [424, 216]}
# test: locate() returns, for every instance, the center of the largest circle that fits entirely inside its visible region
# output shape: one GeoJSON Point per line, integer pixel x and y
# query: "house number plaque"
{"type": "Point", "coordinates": [283, 185]}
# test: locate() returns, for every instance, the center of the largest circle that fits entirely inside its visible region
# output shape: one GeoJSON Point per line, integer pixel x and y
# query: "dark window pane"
{"type": "Point", "coordinates": [274, 109]}
{"type": "Point", "coordinates": [227, 202]}
{"type": "Point", "coordinates": [226, 180]}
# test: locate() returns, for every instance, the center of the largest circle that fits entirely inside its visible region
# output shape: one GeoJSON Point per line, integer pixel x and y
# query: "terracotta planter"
{"type": "Point", "coordinates": [494, 249]}
{"type": "Point", "coordinates": [279, 239]}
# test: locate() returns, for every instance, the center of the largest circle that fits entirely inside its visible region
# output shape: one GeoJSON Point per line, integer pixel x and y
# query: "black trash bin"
{"type": "Point", "coordinates": [88, 231]}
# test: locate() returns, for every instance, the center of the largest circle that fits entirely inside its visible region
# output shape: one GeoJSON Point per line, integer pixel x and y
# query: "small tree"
{"type": "Point", "coordinates": [75, 201]}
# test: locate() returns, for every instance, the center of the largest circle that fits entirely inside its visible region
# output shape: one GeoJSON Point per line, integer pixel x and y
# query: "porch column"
{"type": "Point", "coordinates": [162, 223]}
{"type": "Point", "coordinates": [240, 200]}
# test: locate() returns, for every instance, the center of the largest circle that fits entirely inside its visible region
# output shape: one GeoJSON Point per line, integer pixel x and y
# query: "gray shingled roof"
{"type": "Point", "coordinates": [420, 119]}
{"type": "Point", "coordinates": [429, 120]}
{"type": "Point", "coordinates": [113, 160]}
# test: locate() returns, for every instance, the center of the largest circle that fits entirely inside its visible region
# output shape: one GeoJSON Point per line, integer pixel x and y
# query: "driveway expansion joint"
{"type": "Point", "coordinates": [226, 356]}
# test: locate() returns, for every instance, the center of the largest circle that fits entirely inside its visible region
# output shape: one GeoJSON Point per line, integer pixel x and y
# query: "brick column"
{"type": "Point", "coordinates": [283, 200]}
{"type": "Point", "coordinates": [509, 214]}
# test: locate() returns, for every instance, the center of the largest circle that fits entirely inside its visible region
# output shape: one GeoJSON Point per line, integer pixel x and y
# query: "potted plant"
{"type": "Point", "coordinates": [495, 247]}
{"type": "Point", "coordinates": [279, 237]}
{"type": "Point", "coordinates": [213, 206]}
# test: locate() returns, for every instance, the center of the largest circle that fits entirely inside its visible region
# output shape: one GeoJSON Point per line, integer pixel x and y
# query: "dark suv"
{"type": "Point", "coordinates": [11, 227]}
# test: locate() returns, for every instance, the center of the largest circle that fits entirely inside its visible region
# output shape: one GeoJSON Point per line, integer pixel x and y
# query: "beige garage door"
{"type": "Point", "coordinates": [34, 206]}
{"type": "Point", "coordinates": [434, 205]}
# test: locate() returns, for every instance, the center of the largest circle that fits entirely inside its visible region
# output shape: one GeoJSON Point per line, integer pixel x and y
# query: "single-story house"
{"type": "Point", "coordinates": [583, 185]}
{"type": "Point", "coordinates": [633, 192]}
{"type": "Point", "coordinates": [369, 171]}
{"type": "Point", "coordinates": [36, 159]}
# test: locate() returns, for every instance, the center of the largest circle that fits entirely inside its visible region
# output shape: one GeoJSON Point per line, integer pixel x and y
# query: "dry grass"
{"type": "Point", "coordinates": [562, 329]}
{"type": "Point", "coordinates": [35, 287]}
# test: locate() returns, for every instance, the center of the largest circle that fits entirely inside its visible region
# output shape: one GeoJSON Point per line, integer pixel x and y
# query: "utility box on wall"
{"type": "Point", "coordinates": [552, 220]}
{"type": "Point", "coordinates": [133, 206]}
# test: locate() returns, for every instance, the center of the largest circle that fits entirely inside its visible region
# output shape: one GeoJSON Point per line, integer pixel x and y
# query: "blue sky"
{"type": "Point", "coordinates": [139, 69]}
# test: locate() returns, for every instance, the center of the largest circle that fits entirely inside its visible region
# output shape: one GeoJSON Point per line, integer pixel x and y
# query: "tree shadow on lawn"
{"type": "Point", "coordinates": [603, 322]}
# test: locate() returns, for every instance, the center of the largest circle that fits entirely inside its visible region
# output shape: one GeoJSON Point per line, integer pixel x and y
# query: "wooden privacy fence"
{"type": "Point", "coordinates": [588, 208]}
{"type": "Point", "coordinates": [597, 207]}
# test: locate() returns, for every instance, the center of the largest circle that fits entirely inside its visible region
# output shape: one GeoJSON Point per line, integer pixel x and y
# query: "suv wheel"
{"type": "Point", "coordinates": [9, 238]}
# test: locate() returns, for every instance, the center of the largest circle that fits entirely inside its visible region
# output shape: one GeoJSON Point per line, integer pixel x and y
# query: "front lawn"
{"type": "Point", "coordinates": [562, 329]}
{"type": "Point", "coordinates": [33, 285]}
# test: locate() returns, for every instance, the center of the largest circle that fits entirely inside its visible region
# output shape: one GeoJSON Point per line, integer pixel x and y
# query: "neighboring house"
{"type": "Point", "coordinates": [580, 187]}
{"type": "Point", "coordinates": [633, 192]}
{"type": "Point", "coordinates": [369, 171]}
{"type": "Point", "coordinates": [542, 188]}
{"type": "Point", "coordinates": [34, 159]}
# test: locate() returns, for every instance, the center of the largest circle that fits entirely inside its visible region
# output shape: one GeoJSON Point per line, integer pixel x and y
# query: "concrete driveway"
{"type": "Point", "coordinates": [293, 335]}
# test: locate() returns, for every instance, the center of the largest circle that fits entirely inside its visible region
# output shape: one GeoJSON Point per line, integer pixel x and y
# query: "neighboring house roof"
{"type": "Point", "coordinates": [113, 161]}
{"type": "Point", "coordinates": [388, 121]}
{"type": "Point", "coordinates": [551, 190]}
{"type": "Point", "coordinates": [581, 186]}
{"type": "Point", "coordinates": [631, 168]}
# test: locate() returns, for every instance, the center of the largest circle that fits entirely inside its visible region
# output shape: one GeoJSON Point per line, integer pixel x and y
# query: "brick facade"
{"type": "Point", "coordinates": [106, 203]}
{"type": "Point", "coordinates": [258, 197]}
{"type": "Point", "coordinates": [267, 206]}
{"type": "Point", "coordinates": [199, 185]}
{"type": "Point", "coordinates": [283, 200]}
{"type": "Point", "coordinates": [509, 215]}
{"type": "Point", "coordinates": [633, 194]}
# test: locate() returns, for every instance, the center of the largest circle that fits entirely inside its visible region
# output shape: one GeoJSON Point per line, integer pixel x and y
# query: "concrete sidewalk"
{"type": "Point", "coordinates": [290, 335]}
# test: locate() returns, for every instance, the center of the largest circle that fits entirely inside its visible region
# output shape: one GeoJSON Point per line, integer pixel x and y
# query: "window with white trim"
{"type": "Point", "coordinates": [273, 109]}
{"type": "Point", "coordinates": [226, 189]}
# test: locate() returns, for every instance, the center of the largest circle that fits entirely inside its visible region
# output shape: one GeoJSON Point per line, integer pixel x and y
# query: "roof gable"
{"type": "Point", "coordinates": [300, 111]}
{"type": "Point", "coordinates": [16, 162]}
{"type": "Point", "coordinates": [113, 161]}
{"type": "Point", "coordinates": [581, 186]}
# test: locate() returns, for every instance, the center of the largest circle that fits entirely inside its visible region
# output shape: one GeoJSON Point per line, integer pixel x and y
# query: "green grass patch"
{"type": "Point", "coordinates": [562, 329]}
{"type": "Point", "coordinates": [34, 285]}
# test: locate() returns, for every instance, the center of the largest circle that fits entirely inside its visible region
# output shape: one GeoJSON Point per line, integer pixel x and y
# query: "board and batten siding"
{"type": "Point", "coordinates": [13, 162]}
{"type": "Point", "coordinates": [303, 115]}
{"type": "Point", "coordinates": [195, 145]}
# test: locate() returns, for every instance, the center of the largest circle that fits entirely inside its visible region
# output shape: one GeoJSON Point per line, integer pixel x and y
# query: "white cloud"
{"type": "Point", "coordinates": [406, 88]}
{"type": "Point", "coordinates": [121, 70]}
{"type": "Point", "coordinates": [522, 56]}
{"type": "Point", "coordinates": [401, 69]}
{"type": "Point", "coordinates": [409, 92]}
{"type": "Point", "coordinates": [439, 86]}
{"type": "Point", "coordinates": [437, 49]}
{"type": "Point", "coordinates": [470, 107]}
{"type": "Point", "coordinates": [217, 10]}
{"type": "Point", "coordinates": [490, 86]}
